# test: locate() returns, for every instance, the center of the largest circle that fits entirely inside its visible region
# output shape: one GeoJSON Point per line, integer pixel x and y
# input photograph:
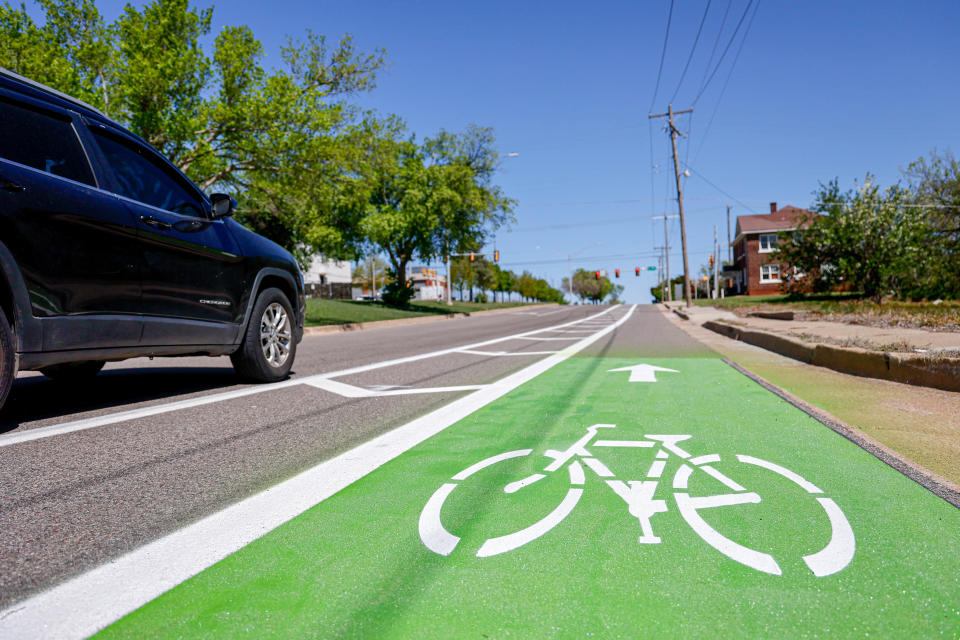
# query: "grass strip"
{"type": "Point", "coordinates": [328, 312]}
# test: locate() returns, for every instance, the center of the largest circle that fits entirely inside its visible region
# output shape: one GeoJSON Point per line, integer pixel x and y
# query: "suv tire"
{"type": "Point", "coordinates": [73, 371]}
{"type": "Point", "coordinates": [8, 359]}
{"type": "Point", "coordinates": [269, 346]}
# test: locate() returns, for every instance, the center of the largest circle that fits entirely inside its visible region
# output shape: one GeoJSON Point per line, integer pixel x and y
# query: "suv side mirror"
{"type": "Point", "coordinates": [223, 205]}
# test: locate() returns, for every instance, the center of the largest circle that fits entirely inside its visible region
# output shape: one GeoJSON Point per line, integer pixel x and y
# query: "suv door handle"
{"type": "Point", "coordinates": [10, 185]}
{"type": "Point", "coordinates": [150, 221]}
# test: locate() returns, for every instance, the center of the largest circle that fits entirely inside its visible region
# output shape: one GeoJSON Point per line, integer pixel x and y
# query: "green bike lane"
{"type": "Point", "coordinates": [356, 565]}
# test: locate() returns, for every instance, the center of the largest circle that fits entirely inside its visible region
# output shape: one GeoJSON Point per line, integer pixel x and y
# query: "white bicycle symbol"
{"type": "Point", "coordinates": [638, 494]}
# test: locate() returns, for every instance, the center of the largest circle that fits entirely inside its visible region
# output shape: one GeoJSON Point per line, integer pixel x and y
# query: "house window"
{"type": "Point", "coordinates": [768, 242]}
{"type": "Point", "coordinates": [770, 273]}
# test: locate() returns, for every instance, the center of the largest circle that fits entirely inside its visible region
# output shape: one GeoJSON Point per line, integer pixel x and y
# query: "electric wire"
{"type": "Point", "coordinates": [693, 50]}
{"type": "Point", "coordinates": [725, 51]}
{"type": "Point", "coordinates": [716, 107]}
{"type": "Point", "coordinates": [716, 42]}
{"type": "Point", "coordinates": [704, 178]}
{"type": "Point", "coordinates": [663, 54]}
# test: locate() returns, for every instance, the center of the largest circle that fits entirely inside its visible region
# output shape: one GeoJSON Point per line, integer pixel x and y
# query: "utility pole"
{"type": "Point", "coordinates": [674, 132]}
{"type": "Point", "coordinates": [716, 264]}
{"type": "Point", "coordinates": [666, 248]}
{"type": "Point", "coordinates": [447, 260]}
{"type": "Point", "coordinates": [729, 246]}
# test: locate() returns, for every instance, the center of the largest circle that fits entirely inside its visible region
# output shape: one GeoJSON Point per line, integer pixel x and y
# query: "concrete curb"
{"type": "Point", "coordinates": [919, 370]}
{"type": "Point", "coordinates": [399, 322]}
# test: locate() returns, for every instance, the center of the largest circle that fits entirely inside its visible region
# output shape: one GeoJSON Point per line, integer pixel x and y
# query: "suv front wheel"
{"type": "Point", "coordinates": [268, 348]}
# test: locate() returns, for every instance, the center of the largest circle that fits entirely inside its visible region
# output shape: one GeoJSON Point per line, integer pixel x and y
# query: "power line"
{"type": "Point", "coordinates": [724, 54]}
{"type": "Point", "coordinates": [716, 107]}
{"type": "Point", "coordinates": [692, 51]}
{"type": "Point", "coordinates": [704, 178]}
{"type": "Point", "coordinates": [585, 202]}
{"type": "Point", "coordinates": [663, 54]}
{"type": "Point", "coordinates": [613, 256]}
{"type": "Point", "coordinates": [592, 223]}
{"type": "Point", "coordinates": [716, 42]}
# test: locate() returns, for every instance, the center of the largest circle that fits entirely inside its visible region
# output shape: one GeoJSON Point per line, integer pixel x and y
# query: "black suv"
{"type": "Point", "coordinates": [107, 252]}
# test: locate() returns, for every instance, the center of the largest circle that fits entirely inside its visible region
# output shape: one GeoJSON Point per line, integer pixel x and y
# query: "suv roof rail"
{"type": "Point", "coordinates": [50, 90]}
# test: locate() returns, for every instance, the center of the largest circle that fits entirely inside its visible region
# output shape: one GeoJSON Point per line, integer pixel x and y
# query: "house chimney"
{"type": "Point", "coordinates": [773, 207]}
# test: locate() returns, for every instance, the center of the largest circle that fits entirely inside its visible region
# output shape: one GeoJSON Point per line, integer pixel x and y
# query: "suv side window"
{"type": "Point", "coordinates": [142, 178]}
{"type": "Point", "coordinates": [42, 140]}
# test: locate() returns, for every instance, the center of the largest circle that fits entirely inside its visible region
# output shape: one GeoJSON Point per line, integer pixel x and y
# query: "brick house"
{"type": "Point", "coordinates": [755, 259]}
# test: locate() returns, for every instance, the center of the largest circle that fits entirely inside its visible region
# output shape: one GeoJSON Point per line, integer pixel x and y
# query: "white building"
{"type": "Point", "coordinates": [329, 279]}
{"type": "Point", "coordinates": [428, 284]}
{"type": "Point", "coordinates": [323, 271]}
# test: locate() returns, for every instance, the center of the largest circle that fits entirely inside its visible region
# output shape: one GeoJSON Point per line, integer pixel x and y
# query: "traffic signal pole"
{"type": "Point", "coordinates": [674, 132]}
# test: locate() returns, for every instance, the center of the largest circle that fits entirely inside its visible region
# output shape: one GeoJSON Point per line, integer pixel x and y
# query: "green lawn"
{"type": "Point", "coordinates": [944, 314]}
{"type": "Point", "coordinates": [324, 312]}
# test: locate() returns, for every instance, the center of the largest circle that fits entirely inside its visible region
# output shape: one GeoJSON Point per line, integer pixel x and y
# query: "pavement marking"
{"type": "Point", "coordinates": [350, 391]}
{"type": "Point", "coordinates": [543, 339]}
{"type": "Point", "coordinates": [476, 352]}
{"type": "Point", "coordinates": [642, 372]}
{"type": "Point", "coordinates": [39, 433]}
{"type": "Point", "coordinates": [639, 497]}
{"type": "Point", "coordinates": [88, 603]}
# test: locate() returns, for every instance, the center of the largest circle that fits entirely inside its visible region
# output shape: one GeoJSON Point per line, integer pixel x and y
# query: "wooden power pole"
{"type": "Point", "coordinates": [674, 132]}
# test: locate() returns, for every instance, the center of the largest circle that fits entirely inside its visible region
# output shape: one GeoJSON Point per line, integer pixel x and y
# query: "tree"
{"type": "Point", "coordinates": [935, 184]}
{"type": "Point", "coordinates": [73, 51]}
{"type": "Point", "coordinates": [587, 286]}
{"type": "Point", "coordinates": [505, 280]}
{"type": "Point", "coordinates": [867, 237]}
{"type": "Point", "coordinates": [432, 199]}
{"type": "Point", "coordinates": [462, 274]}
{"type": "Point", "coordinates": [283, 141]}
{"type": "Point", "coordinates": [485, 274]}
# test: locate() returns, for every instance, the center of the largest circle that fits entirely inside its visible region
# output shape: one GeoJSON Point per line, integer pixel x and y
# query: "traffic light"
{"type": "Point", "coordinates": [711, 259]}
{"type": "Point", "coordinates": [472, 257]}
{"type": "Point", "coordinates": [596, 275]}
{"type": "Point", "coordinates": [638, 271]}
{"type": "Point", "coordinates": [496, 255]}
{"type": "Point", "coordinates": [616, 272]}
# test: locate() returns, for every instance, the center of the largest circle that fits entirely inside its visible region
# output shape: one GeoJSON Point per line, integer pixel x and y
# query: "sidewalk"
{"type": "Point", "coordinates": [913, 356]}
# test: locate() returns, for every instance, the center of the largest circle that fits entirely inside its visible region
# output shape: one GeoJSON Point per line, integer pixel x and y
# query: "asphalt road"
{"type": "Point", "coordinates": [198, 441]}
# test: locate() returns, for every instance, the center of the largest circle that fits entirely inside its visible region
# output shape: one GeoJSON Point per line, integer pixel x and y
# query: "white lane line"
{"type": "Point", "coordinates": [475, 352]}
{"type": "Point", "coordinates": [350, 391]}
{"type": "Point", "coordinates": [145, 412]}
{"type": "Point", "coordinates": [86, 604]}
{"type": "Point", "coordinates": [541, 339]}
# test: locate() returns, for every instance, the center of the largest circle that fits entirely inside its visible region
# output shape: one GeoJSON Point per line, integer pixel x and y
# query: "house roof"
{"type": "Point", "coordinates": [785, 219]}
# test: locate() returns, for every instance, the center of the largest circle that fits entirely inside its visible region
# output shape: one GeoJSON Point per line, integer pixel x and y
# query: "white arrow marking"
{"type": "Point", "coordinates": [643, 372]}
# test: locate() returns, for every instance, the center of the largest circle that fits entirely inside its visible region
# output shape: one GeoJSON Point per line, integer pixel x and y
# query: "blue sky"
{"type": "Point", "coordinates": [821, 89]}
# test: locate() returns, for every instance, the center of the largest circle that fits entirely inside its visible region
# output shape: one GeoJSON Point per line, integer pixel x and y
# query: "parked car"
{"type": "Point", "coordinates": [107, 252]}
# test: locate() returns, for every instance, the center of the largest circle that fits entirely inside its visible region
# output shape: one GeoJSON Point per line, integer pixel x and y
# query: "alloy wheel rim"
{"type": "Point", "coordinates": [275, 335]}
